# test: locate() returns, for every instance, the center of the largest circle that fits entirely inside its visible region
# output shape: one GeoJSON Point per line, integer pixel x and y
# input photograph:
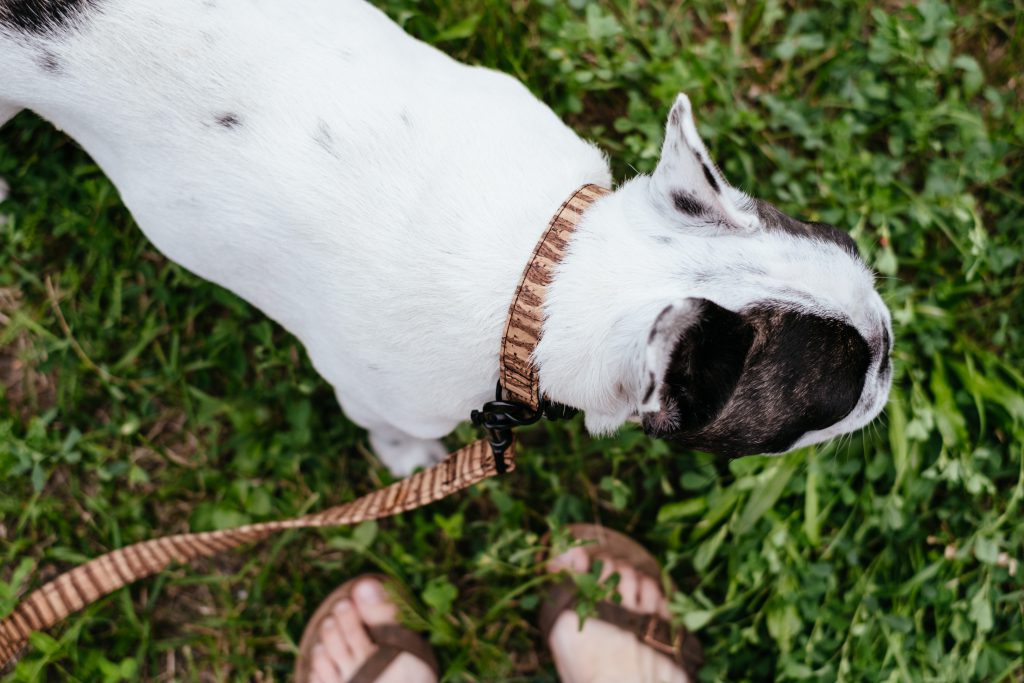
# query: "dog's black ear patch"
{"type": "Point", "coordinates": [42, 17]}
{"type": "Point", "coordinates": [710, 177]}
{"type": "Point", "coordinates": [755, 382]}
{"type": "Point", "coordinates": [228, 120]}
{"type": "Point", "coordinates": [49, 62]}
{"type": "Point", "coordinates": [773, 219]}
{"type": "Point", "coordinates": [706, 365]}
{"type": "Point", "coordinates": [686, 203]}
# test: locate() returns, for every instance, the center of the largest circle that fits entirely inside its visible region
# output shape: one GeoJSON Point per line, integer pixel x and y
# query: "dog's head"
{"type": "Point", "coordinates": [754, 332]}
{"type": "Point", "coordinates": [766, 379]}
{"type": "Point", "coordinates": [787, 342]}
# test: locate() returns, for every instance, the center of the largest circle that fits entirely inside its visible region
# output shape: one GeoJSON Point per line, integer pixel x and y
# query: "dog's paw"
{"type": "Point", "coordinates": [402, 453]}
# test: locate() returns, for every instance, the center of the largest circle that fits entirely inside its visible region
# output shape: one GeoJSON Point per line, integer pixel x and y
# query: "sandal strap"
{"type": "Point", "coordinates": [650, 629]}
{"type": "Point", "coordinates": [656, 633]}
{"type": "Point", "coordinates": [561, 598]}
{"type": "Point", "coordinates": [392, 640]}
{"type": "Point", "coordinates": [675, 642]}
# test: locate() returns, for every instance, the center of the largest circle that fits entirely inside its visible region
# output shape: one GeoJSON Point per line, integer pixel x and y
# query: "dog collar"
{"type": "Point", "coordinates": [518, 400]}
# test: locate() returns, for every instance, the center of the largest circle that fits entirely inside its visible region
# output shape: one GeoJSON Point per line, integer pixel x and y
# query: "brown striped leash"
{"type": "Point", "coordinates": [89, 582]}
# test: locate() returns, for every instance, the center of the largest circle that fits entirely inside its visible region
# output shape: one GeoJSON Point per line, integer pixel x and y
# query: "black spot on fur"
{"type": "Point", "coordinates": [229, 120]}
{"type": "Point", "coordinates": [755, 382]}
{"type": "Point", "coordinates": [710, 177]}
{"type": "Point", "coordinates": [688, 204]}
{"type": "Point", "coordinates": [656, 328]}
{"type": "Point", "coordinates": [323, 135]}
{"type": "Point", "coordinates": [773, 219]}
{"type": "Point", "coordinates": [650, 388]}
{"type": "Point", "coordinates": [662, 239]}
{"type": "Point", "coordinates": [405, 119]}
{"type": "Point", "coordinates": [883, 367]}
{"type": "Point", "coordinates": [702, 278]}
{"type": "Point", "coordinates": [885, 351]}
{"type": "Point", "coordinates": [324, 139]}
{"type": "Point", "coordinates": [673, 117]}
{"type": "Point", "coordinates": [49, 62]}
{"type": "Point", "coordinates": [41, 17]}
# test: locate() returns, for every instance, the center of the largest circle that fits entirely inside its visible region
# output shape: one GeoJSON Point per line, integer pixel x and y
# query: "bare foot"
{"type": "Point", "coordinates": [345, 645]}
{"type": "Point", "coordinates": [601, 652]}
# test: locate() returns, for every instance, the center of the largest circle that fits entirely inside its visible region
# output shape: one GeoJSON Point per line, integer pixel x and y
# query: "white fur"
{"type": "Point", "coordinates": [379, 200]}
{"type": "Point", "coordinates": [7, 112]}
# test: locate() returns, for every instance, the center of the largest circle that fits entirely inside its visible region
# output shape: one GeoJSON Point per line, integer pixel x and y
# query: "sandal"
{"type": "Point", "coordinates": [675, 642]}
{"type": "Point", "coordinates": [391, 639]}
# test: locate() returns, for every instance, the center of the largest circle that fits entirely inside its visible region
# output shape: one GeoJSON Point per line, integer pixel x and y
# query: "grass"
{"type": "Point", "coordinates": [138, 399]}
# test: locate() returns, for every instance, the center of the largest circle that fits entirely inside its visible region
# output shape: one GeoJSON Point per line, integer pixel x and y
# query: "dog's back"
{"type": "Point", "coordinates": [301, 154]}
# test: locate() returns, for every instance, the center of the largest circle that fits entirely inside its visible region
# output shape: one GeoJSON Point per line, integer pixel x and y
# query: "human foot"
{"type": "Point", "coordinates": [355, 637]}
{"type": "Point", "coordinates": [628, 641]}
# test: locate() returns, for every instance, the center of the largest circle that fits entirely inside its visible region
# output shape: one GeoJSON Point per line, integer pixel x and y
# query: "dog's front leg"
{"type": "Point", "coordinates": [403, 453]}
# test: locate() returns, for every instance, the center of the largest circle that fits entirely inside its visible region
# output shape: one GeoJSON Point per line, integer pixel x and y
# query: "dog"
{"type": "Point", "coordinates": [379, 200]}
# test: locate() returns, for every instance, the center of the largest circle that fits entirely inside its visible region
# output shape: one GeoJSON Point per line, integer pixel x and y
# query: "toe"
{"type": "Point", "coordinates": [649, 596]}
{"type": "Point", "coordinates": [573, 560]}
{"type": "Point", "coordinates": [628, 581]}
{"type": "Point", "coordinates": [336, 645]}
{"type": "Point", "coordinates": [322, 667]}
{"type": "Point", "coordinates": [663, 606]}
{"type": "Point", "coordinates": [356, 637]}
{"type": "Point", "coordinates": [373, 603]}
{"type": "Point", "coordinates": [608, 567]}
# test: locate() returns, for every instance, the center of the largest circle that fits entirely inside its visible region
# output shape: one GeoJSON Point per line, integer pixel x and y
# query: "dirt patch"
{"type": "Point", "coordinates": [27, 390]}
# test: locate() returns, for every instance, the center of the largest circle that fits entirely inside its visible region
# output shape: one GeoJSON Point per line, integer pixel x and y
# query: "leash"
{"type": "Point", "coordinates": [518, 402]}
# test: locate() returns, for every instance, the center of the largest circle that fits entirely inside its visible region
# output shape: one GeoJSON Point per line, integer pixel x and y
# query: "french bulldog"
{"type": "Point", "coordinates": [379, 200]}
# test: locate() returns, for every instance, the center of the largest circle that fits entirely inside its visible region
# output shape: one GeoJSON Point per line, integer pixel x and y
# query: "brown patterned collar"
{"type": "Point", "coordinates": [519, 401]}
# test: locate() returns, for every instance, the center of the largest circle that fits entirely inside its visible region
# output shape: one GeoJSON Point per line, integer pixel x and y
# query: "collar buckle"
{"type": "Point", "coordinates": [499, 417]}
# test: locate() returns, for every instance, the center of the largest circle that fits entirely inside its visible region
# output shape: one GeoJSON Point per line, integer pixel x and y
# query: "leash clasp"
{"type": "Point", "coordinates": [499, 417]}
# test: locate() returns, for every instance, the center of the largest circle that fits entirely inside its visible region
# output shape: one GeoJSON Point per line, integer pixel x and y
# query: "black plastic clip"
{"type": "Point", "coordinates": [499, 417]}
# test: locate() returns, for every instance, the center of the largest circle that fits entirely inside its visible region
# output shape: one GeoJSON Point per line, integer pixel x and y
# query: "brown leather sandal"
{"type": "Point", "coordinates": [675, 642]}
{"type": "Point", "coordinates": [391, 639]}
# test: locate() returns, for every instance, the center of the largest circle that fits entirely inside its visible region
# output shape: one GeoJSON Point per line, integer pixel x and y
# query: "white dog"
{"type": "Point", "coordinates": [380, 200]}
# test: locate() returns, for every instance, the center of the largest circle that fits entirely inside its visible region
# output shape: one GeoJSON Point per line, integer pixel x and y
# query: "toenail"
{"type": "Point", "coordinates": [369, 592]}
{"type": "Point", "coordinates": [330, 623]}
{"type": "Point", "coordinates": [343, 607]}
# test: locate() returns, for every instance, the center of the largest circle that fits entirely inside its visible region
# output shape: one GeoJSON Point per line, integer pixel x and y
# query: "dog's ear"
{"type": "Point", "coordinates": [685, 363]}
{"type": "Point", "coordinates": [688, 182]}
{"type": "Point", "coordinates": [696, 352]}
{"type": "Point", "coordinates": [759, 380]}
{"type": "Point", "coordinates": [673, 323]}
{"type": "Point", "coordinates": [658, 326]}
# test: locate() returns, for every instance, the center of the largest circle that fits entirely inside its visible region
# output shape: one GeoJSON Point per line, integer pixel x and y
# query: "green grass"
{"type": "Point", "coordinates": [155, 402]}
